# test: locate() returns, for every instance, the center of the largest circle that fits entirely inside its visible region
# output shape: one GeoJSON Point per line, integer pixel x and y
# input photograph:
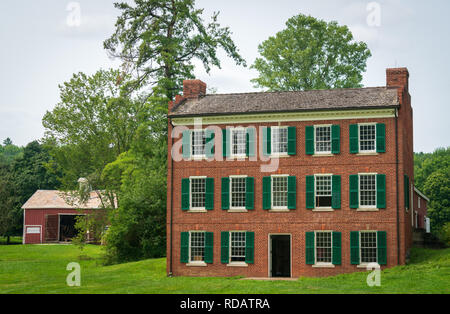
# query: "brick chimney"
{"type": "Point", "coordinates": [193, 89]}
{"type": "Point", "coordinates": [398, 77]}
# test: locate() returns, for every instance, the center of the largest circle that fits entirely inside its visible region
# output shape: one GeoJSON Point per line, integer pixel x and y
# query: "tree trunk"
{"type": "Point", "coordinates": [7, 240]}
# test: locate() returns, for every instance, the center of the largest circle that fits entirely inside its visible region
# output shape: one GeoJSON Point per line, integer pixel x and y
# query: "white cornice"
{"type": "Point", "coordinates": [421, 194]}
{"type": "Point", "coordinates": [288, 117]}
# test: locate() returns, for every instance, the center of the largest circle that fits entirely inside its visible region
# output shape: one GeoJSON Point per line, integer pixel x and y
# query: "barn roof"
{"type": "Point", "coordinates": [52, 199]}
{"type": "Point", "coordinates": [287, 101]}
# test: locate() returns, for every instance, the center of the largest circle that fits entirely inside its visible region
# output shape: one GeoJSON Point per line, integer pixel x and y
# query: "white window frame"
{"type": "Point", "coordinates": [361, 263]}
{"type": "Point", "coordinates": [418, 201]}
{"type": "Point", "coordinates": [272, 136]}
{"type": "Point", "coordinates": [203, 155]}
{"type": "Point", "coordinates": [191, 262]}
{"type": "Point", "coordinates": [315, 146]}
{"type": "Point", "coordinates": [236, 263]}
{"type": "Point", "coordinates": [315, 191]}
{"type": "Point", "coordinates": [279, 208]}
{"type": "Point", "coordinates": [191, 208]}
{"type": "Point", "coordinates": [231, 193]}
{"type": "Point", "coordinates": [231, 130]}
{"type": "Point", "coordinates": [323, 264]}
{"type": "Point", "coordinates": [359, 191]}
{"type": "Point", "coordinates": [359, 138]}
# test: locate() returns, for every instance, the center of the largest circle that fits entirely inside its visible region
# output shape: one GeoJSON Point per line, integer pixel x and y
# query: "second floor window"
{"type": "Point", "coordinates": [323, 191]}
{"type": "Point", "coordinates": [367, 138]}
{"type": "Point", "coordinates": [198, 195]}
{"type": "Point", "coordinates": [198, 142]}
{"type": "Point", "coordinates": [238, 192]}
{"type": "Point", "coordinates": [279, 140]}
{"type": "Point", "coordinates": [279, 192]}
{"type": "Point", "coordinates": [368, 190]}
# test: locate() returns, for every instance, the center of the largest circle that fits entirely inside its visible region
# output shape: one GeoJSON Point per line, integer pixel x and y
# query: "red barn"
{"type": "Point", "coordinates": [48, 218]}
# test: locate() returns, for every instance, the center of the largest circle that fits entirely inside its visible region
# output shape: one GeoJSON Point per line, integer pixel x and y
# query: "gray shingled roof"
{"type": "Point", "coordinates": [220, 104]}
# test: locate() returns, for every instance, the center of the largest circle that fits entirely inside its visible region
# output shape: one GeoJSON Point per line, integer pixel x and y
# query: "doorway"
{"type": "Point", "coordinates": [280, 256]}
{"type": "Point", "coordinates": [67, 230]}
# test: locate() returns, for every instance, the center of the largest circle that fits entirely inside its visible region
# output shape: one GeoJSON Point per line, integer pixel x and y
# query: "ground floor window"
{"type": "Point", "coordinates": [368, 247]}
{"type": "Point", "coordinates": [237, 247]}
{"type": "Point", "coordinates": [323, 247]}
{"type": "Point", "coordinates": [197, 247]}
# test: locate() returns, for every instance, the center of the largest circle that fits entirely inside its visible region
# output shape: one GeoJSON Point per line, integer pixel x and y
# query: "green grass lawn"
{"type": "Point", "coordinates": [42, 269]}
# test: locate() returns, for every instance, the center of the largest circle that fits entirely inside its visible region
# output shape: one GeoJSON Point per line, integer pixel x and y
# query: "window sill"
{"type": "Point", "coordinates": [323, 155]}
{"type": "Point", "coordinates": [368, 154]}
{"type": "Point", "coordinates": [325, 210]}
{"type": "Point", "coordinates": [197, 211]}
{"type": "Point", "coordinates": [238, 210]}
{"type": "Point", "coordinates": [197, 264]}
{"type": "Point", "coordinates": [323, 265]}
{"type": "Point", "coordinates": [364, 265]}
{"type": "Point", "coordinates": [279, 156]}
{"type": "Point", "coordinates": [237, 264]}
{"type": "Point", "coordinates": [367, 210]}
{"type": "Point", "coordinates": [279, 210]}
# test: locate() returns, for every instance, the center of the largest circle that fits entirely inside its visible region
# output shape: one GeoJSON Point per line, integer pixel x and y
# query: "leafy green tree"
{"type": "Point", "coordinates": [311, 54]}
{"type": "Point", "coordinates": [9, 151]}
{"type": "Point", "coordinates": [159, 39]}
{"type": "Point", "coordinates": [7, 202]}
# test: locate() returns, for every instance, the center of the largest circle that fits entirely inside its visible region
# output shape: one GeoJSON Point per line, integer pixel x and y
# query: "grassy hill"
{"type": "Point", "coordinates": [42, 269]}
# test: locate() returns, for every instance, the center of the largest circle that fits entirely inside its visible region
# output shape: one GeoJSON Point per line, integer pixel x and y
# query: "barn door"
{"type": "Point", "coordinates": [51, 228]}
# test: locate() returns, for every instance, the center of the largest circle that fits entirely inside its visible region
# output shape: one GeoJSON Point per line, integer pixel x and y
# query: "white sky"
{"type": "Point", "coordinates": [39, 51]}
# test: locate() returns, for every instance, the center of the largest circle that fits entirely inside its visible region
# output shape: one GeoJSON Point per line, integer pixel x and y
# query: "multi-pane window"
{"type": "Point", "coordinates": [368, 190]}
{"type": "Point", "coordinates": [198, 192]}
{"type": "Point", "coordinates": [323, 247]}
{"type": "Point", "coordinates": [237, 247]}
{"type": "Point", "coordinates": [323, 139]}
{"type": "Point", "coordinates": [323, 191]}
{"type": "Point", "coordinates": [198, 142]}
{"type": "Point", "coordinates": [197, 246]}
{"type": "Point", "coordinates": [238, 142]}
{"type": "Point", "coordinates": [279, 192]}
{"type": "Point", "coordinates": [237, 192]}
{"type": "Point", "coordinates": [279, 140]}
{"type": "Point", "coordinates": [368, 247]}
{"type": "Point", "coordinates": [367, 138]}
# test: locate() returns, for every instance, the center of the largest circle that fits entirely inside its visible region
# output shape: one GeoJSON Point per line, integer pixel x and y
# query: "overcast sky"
{"type": "Point", "coordinates": [41, 47]}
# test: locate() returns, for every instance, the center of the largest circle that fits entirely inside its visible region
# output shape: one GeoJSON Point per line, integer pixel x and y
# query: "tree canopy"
{"type": "Point", "coordinates": [310, 54]}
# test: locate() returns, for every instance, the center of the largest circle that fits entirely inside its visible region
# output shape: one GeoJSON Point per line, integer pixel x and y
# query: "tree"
{"type": "Point", "coordinates": [7, 202]}
{"type": "Point", "coordinates": [310, 54]}
{"type": "Point", "coordinates": [159, 39]}
{"type": "Point", "coordinates": [9, 151]}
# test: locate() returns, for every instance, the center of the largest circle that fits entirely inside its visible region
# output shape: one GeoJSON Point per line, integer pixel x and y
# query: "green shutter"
{"type": "Point", "coordinates": [335, 139]}
{"type": "Point", "coordinates": [250, 193]}
{"type": "Point", "coordinates": [381, 191]}
{"type": "Point", "coordinates": [292, 192]}
{"type": "Point", "coordinates": [310, 203]}
{"type": "Point", "coordinates": [267, 141]}
{"type": "Point", "coordinates": [354, 139]}
{"type": "Point", "coordinates": [336, 248]}
{"type": "Point", "coordinates": [309, 140]}
{"type": "Point", "coordinates": [354, 247]}
{"type": "Point", "coordinates": [186, 144]}
{"type": "Point", "coordinates": [184, 252]}
{"type": "Point", "coordinates": [292, 140]}
{"type": "Point", "coordinates": [225, 193]}
{"type": "Point", "coordinates": [310, 251]}
{"type": "Point", "coordinates": [354, 191]}
{"type": "Point", "coordinates": [406, 190]}
{"type": "Point", "coordinates": [210, 143]}
{"type": "Point", "coordinates": [224, 247]}
{"type": "Point", "coordinates": [267, 193]}
{"type": "Point", "coordinates": [249, 247]}
{"type": "Point", "coordinates": [381, 248]}
{"type": "Point", "coordinates": [336, 192]}
{"type": "Point", "coordinates": [185, 195]}
{"type": "Point", "coordinates": [381, 138]}
{"type": "Point", "coordinates": [209, 193]}
{"type": "Point", "coordinates": [250, 144]}
{"type": "Point", "coordinates": [225, 143]}
{"type": "Point", "coordinates": [209, 247]}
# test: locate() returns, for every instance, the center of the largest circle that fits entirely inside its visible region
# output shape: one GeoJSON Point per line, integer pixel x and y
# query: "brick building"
{"type": "Point", "coordinates": [289, 184]}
